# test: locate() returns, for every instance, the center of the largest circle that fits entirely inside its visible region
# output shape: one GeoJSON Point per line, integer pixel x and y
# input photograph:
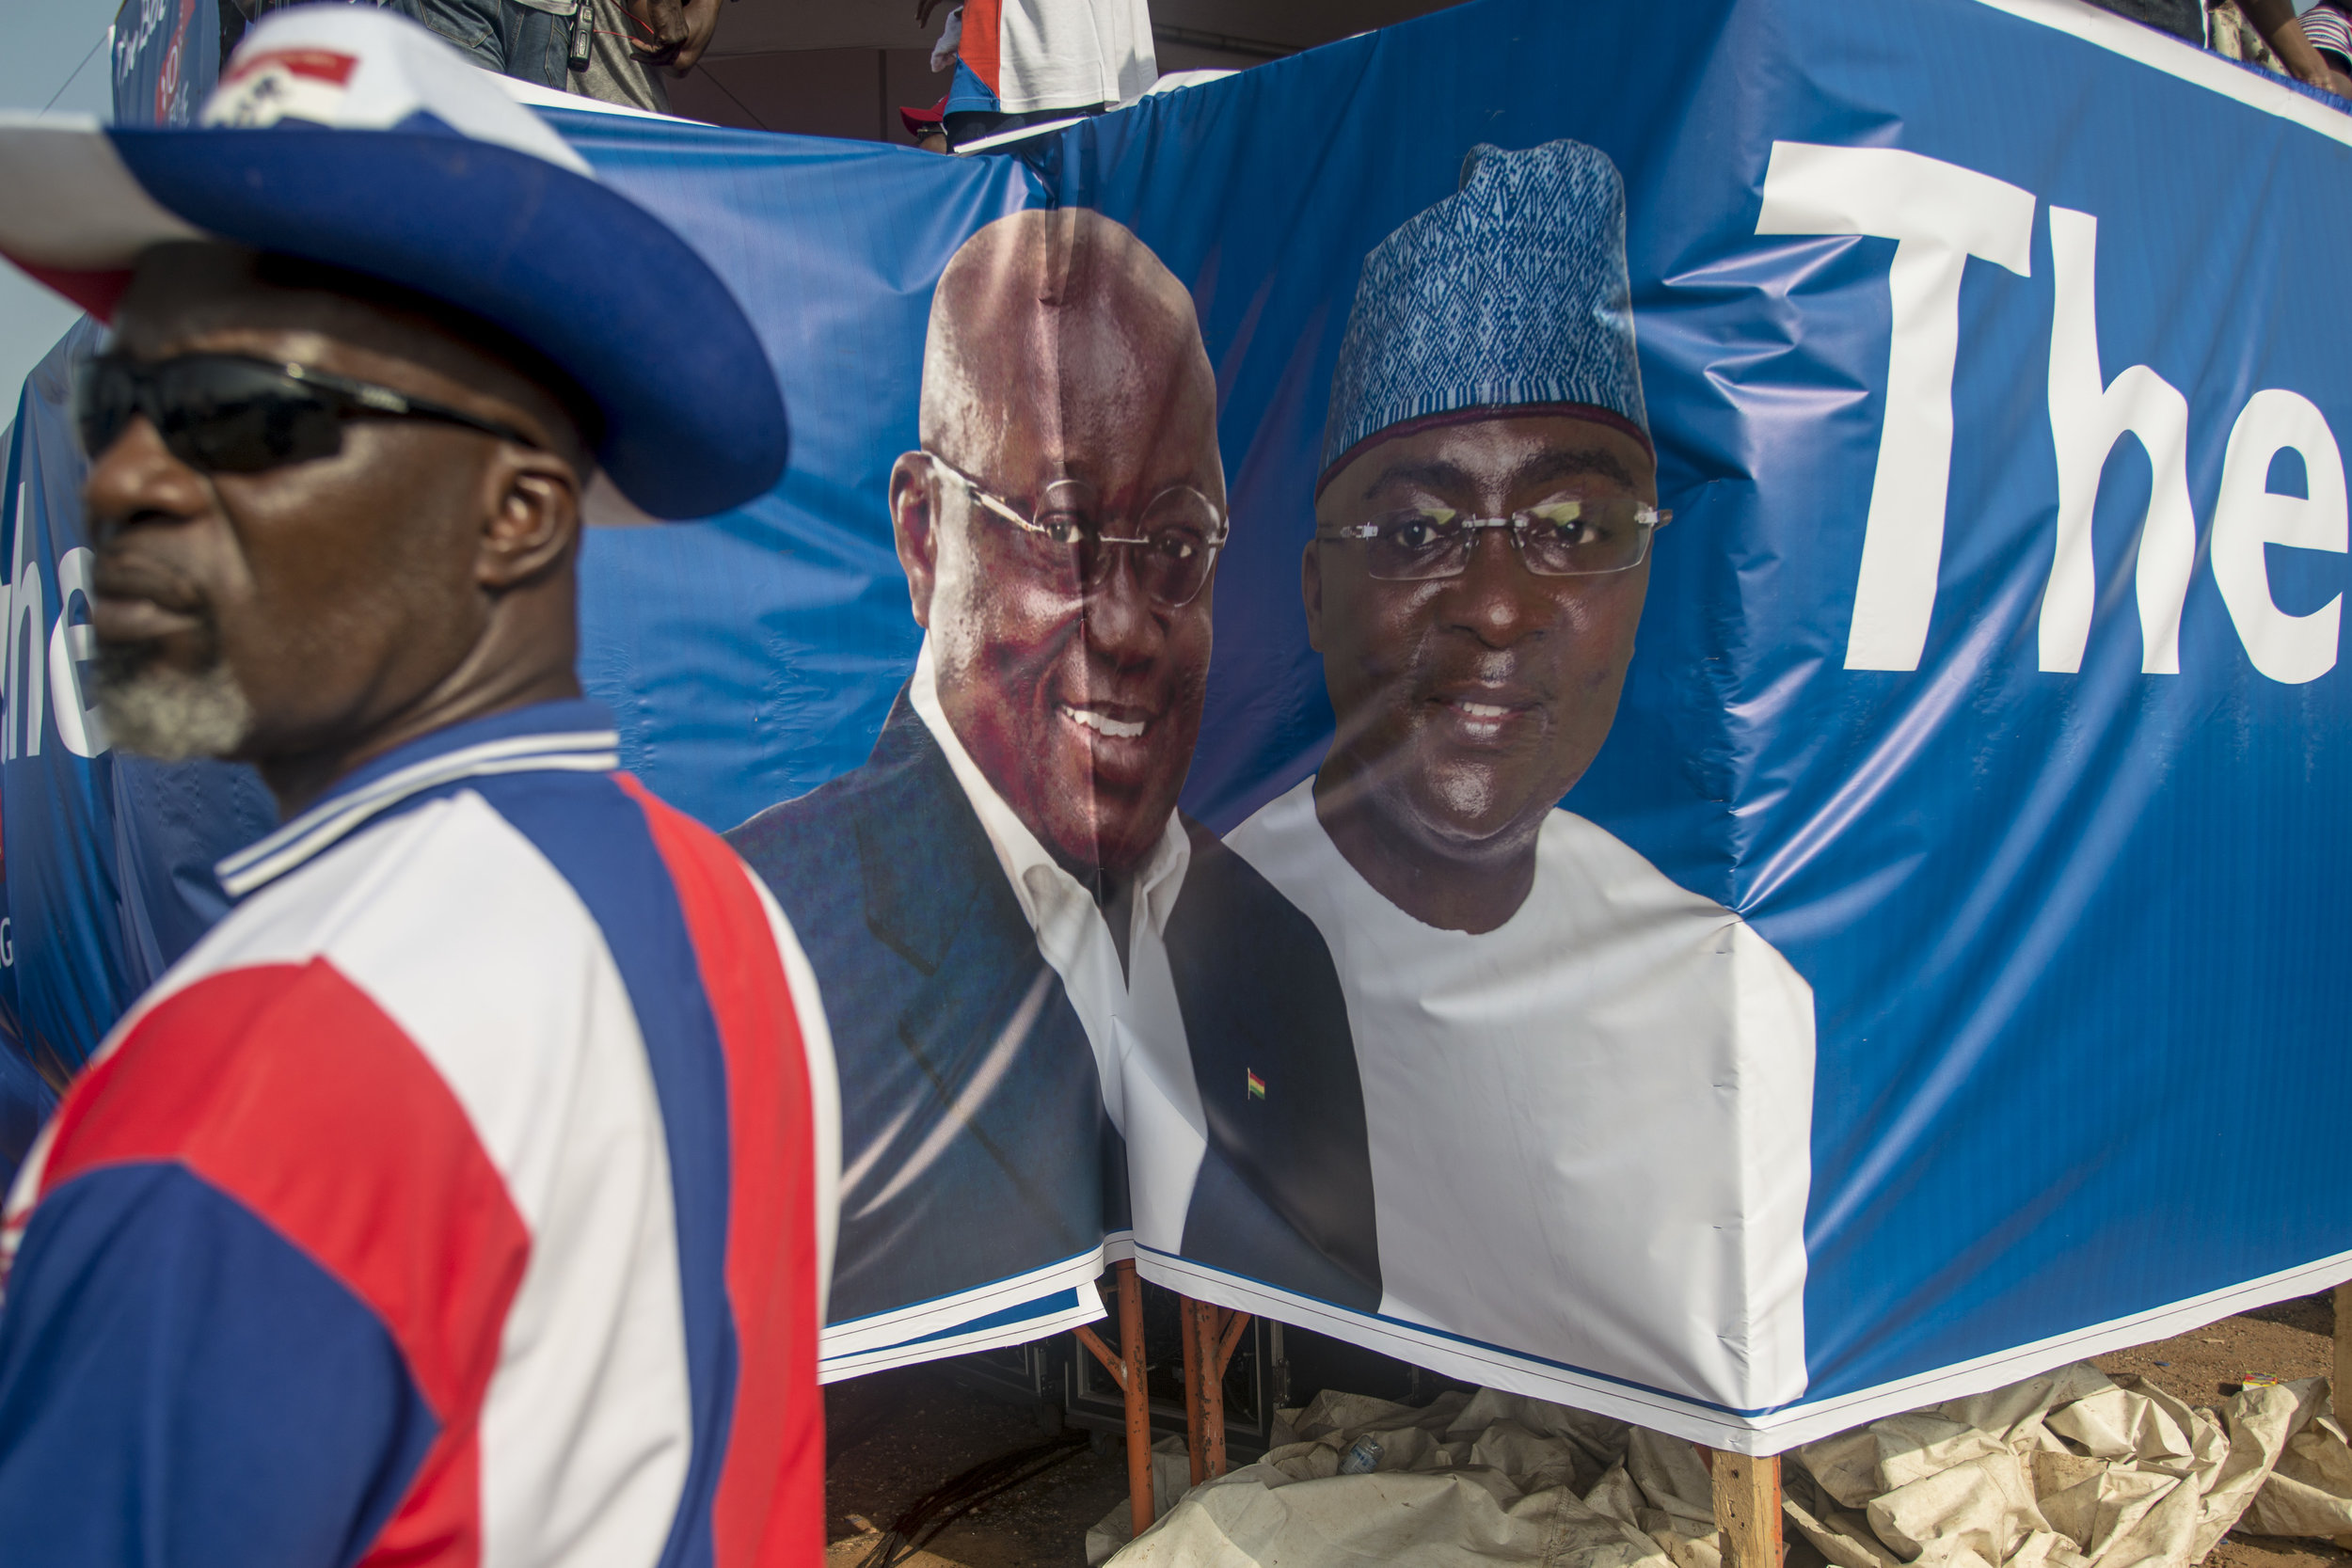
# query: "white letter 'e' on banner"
{"type": "Point", "coordinates": [2249, 516]}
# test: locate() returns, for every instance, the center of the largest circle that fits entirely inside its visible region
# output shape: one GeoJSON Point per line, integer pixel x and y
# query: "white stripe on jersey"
{"type": "Point", "coordinates": [2325, 28]}
{"type": "Point", "coordinates": [824, 1082]}
{"type": "Point", "coordinates": [471, 941]}
{"type": "Point", "coordinates": [584, 752]}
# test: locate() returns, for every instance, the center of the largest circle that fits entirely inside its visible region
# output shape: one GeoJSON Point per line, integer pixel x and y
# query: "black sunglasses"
{"type": "Point", "coordinates": [230, 414]}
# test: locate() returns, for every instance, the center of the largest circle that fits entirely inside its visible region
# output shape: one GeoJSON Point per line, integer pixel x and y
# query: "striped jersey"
{"type": "Point", "coordinates": [2326, 27]}
{"type": "Point", "coordinates": [463, 1198]}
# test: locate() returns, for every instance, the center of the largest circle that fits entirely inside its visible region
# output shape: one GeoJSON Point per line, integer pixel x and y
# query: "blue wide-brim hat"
{"type": "Point", "coordinates": [350, 136]}
{"type": "Point", "coordinates": [1510, 294]}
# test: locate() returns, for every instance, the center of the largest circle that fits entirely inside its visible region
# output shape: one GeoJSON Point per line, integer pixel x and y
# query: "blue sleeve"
{"type": "Point", "coordinates": [25, 1102]}
{"type": "Point", "coordinates": [180, 1386]}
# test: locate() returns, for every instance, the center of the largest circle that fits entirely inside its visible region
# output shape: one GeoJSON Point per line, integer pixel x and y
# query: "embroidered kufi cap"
{"type": "Point", "coordinates": [1509, 294]}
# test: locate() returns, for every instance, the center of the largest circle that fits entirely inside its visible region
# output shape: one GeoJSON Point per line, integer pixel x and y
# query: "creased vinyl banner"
{"type": "Point", "coordinates": [166, 55]}
{"type": "Point", "coordinates": [108, 858]}
{"type": "Point", "coordinates": [1873, 465]}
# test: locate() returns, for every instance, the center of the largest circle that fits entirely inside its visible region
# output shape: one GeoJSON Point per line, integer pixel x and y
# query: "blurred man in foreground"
{"type": "Point", "coordinates": [464, 1195]}
{"type": "Point", "coordinates": [1012, 923]}
{"type": "Point", "coordinates": [1587, 1088]}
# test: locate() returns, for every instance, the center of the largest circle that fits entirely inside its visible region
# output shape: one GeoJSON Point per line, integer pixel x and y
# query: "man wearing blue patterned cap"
{"type": "Point", "coordinates": [1587, 1090]}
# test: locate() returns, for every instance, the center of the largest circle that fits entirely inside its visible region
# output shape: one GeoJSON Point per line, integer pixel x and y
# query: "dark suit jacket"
{"type": "Point", "coordinates": [1284, 1193]}
{"type": "Point", "coordinates": [959, 1049]}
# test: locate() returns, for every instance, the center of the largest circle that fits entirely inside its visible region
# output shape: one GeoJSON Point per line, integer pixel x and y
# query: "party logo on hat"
{"type": "Point", "coordinates": [350, 137]}
{"type": "Point", "coordinates": [280, 84]}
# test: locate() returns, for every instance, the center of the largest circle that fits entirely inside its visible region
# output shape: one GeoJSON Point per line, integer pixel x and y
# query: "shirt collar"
{"type": "Point", "coordinates": [574, 736]}
{"type": "Point", "coordinates": [1038, 879]}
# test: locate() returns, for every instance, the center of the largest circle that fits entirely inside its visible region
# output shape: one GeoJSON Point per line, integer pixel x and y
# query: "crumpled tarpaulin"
{"type": "Point", "coordinates": [1489, 1477]}
{"type": "Point", "coordinates": [2072, 1469]}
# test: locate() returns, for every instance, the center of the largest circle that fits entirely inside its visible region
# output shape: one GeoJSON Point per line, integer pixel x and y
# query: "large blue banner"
{"type": "Point", "coordinates": [108, 859]}
{"type": "Point", "coordinates": [165, 58]}
{"type": "Point", "coordinates": [1635, 701]}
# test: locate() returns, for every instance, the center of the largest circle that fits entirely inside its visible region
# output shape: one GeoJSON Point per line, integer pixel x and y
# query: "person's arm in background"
{"type": "Point", "coordinates": [675, 32]}
{"type": "Point", "coordinates": [2283, 31]}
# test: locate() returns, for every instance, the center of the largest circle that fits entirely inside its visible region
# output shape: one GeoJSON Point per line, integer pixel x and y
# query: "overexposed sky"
{"type": "Point", "coordinates": [47, 42]}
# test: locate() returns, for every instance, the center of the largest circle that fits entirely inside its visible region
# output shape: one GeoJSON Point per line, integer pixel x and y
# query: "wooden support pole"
{"type": "Point", "coordinates": [1111, 1364]}
{"type": "Point", "coordinates": [1209, 1388]}
{"type": "Point", "coordinates": [2342, 1382]}
{"type": "Point", "coordinates": [1212, 1334]}
{"type": "Point", "coordinates": [1138, 1397]}
{"type": "Point", "coordinates": [1236, 1324]}
{"type": "Point", "coordinates": [1188, 1313]}
{"type": "Point", "coordinates": [1747, 1509]}
{"type": "Point", "coordinates": [1127, 1370]}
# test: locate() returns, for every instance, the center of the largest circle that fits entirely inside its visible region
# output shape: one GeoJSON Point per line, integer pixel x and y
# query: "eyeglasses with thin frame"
{"type": "Point", "coordinates": [237, 414]}
{"type": "Point", "coordinates": [1172, 551]}
{"type": "Point", "coordinates": [1564, 538]}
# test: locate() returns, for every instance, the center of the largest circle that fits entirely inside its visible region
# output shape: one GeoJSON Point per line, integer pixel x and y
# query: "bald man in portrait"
{"type": "Point", "coordinates": [1055, 999]}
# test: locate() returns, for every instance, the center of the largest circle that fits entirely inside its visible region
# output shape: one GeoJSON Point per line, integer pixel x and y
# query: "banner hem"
{"type": "Point", "coordinates": [1769, 1433]}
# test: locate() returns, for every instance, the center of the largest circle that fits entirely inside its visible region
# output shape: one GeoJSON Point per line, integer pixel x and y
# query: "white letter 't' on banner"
{"type": "Point", "coordinates": [1938, 215]}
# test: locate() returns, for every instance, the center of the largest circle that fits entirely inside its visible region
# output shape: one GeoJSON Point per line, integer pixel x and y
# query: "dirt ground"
{"type": "Point", "coordinates": [894, 1435]}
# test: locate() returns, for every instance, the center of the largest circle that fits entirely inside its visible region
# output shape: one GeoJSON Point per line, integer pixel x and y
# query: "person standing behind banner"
{"type": "Point", "coordinates": [1588, 1089]}
{"type": "Point", "coordinates": [1022, 62]}
{"type": "Point", "coordinates": [2326, 29]}
{"type": "Point", "coordinates": [608, 50]}
{"type": "Point", "coordinates": [465, 1196]}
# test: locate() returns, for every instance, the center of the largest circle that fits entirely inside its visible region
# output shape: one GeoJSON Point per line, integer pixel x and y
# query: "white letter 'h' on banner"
{"type": "Point", "coordinates": [1938, 215]}
{"type": "Point", "coordinates": [2088, 416]}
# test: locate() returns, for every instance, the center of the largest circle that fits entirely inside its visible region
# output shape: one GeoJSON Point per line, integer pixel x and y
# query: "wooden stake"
{"type": "Point", "coordinates": [1188, 1313]}
{"type": "Point", "coordinates": [1747, 1507]}
{"type": "Point", "coordinates": [1139, 1398]}
{"type": "Point", "coordinates": [1212, 1334]}
{"type": "Point", "coordinates": [1210, 1396]}
{"type": "Point", "coordinates": [1127, 1370]}
{"type": "Point", "coordinates": [2342, 1382]}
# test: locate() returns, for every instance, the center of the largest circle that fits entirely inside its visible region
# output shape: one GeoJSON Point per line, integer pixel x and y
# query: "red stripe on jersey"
{"type": "Point", "coordinates": [982, 41]}
{"type": "Point", "coordinates": [771, 1504]}
{"type": "Point", "coordinates": [287, 1089]}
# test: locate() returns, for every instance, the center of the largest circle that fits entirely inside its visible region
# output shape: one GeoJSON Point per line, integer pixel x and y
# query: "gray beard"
{"type": "Point", "coordinates": [171, 715]}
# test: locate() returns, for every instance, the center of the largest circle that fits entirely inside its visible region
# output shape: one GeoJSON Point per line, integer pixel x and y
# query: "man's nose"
{"type": "Point", "coordinates": [1121, 622]}
{"type": "Point", "coordinates": [1497, 598]}
{"type": "Point", "coordinates": [137, 479]}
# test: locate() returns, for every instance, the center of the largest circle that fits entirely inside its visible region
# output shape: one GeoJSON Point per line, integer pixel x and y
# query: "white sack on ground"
{"type": "Point", "coordinates": [1489, 1478]}
{"type": "Point", "coordinates": [2071, 1469]}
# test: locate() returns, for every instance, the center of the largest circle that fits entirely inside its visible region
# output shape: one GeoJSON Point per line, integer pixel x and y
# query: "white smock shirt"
{"type": "Point", "coordinates": [1131, 1018]}
{"type": "Point", "coordinates": [1069, 54]}
{"type": "Point", "coordinates": [1589, 1126]}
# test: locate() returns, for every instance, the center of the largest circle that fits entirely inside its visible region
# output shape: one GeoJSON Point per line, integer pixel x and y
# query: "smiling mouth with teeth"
{"type": "Point", "coordinates": [1481, 710]}
{"type": "Point", "coordinates": [1103, 723]}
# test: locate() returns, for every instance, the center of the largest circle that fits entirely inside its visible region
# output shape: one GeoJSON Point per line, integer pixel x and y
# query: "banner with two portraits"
{"type": "Point", "coordinates": [1636, 701]}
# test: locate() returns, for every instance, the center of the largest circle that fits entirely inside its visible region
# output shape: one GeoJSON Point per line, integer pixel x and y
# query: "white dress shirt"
{"type": "Point", "coordinates": [1131, 1018]}
{"type": "Point", "coordinates": [1590, 1126]}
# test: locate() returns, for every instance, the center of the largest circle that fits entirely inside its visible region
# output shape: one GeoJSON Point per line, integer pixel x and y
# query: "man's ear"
{"type": "Point", "coordinates": [913, 525]}
{"type": "Point", "coordinates": [531, 515]}
{"type": "Point", "coordinates": [1310, 590]}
